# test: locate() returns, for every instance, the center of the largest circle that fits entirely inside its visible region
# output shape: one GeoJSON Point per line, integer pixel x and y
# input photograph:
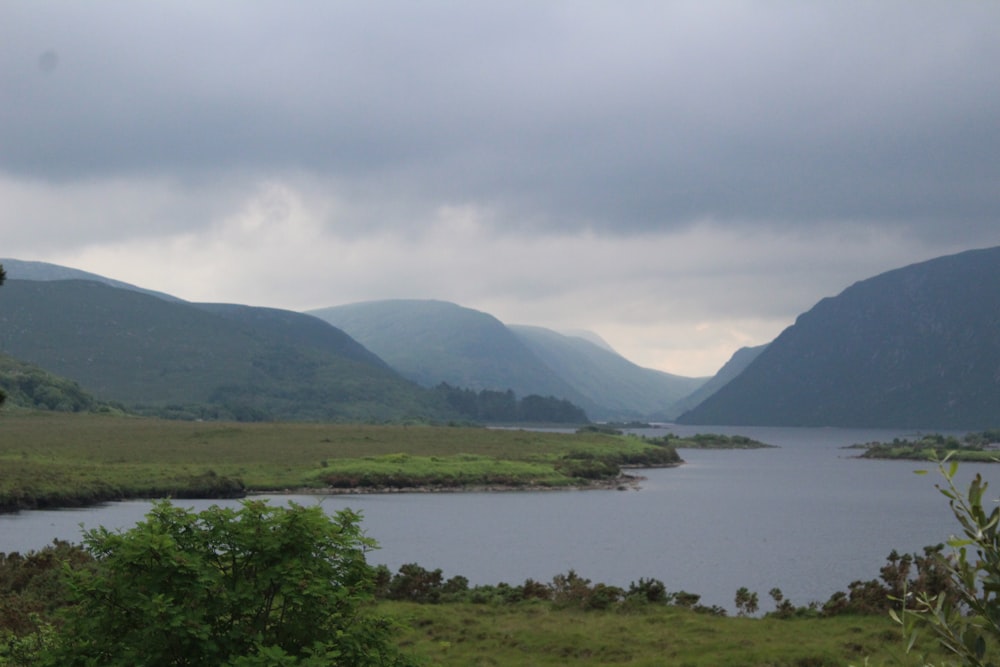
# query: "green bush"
{"type": "Point", "coordinates": [255, 585]}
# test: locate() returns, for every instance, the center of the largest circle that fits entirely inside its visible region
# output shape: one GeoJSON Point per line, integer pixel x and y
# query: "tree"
{"type": "Point", "coordinates": [747, 603]}
{"type": "Point", "coordinates": [966, 616]}
{"type": "Point", "coordinates": [257, 585]}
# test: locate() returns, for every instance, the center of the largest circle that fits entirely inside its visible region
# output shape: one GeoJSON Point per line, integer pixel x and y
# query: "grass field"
{"type": "Point", "coordinates": [536, 633]}
{"type": "Point", "coordinates": [52, 459]}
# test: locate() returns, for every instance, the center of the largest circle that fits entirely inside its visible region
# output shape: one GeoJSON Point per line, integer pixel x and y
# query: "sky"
{"type": "Point", "coordinates": [681, 178]}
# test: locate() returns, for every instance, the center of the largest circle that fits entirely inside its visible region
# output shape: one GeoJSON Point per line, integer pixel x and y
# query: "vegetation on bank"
{"type": "Point", "coordinates": [56, 459]}
{"type": "Point", "coordinates": [127, 587]}
{"type": "Point", "coordinates": [979, 446]}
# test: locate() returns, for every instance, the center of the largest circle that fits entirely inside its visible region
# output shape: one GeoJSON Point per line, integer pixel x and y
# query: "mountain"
{"type": "Point", "coordinates": [620, 388]}
{"type": "Point", "coordinates": [26, 270]}
{"type": "Point", "coordinates": [739, 361]}
{"type": "Point", "coordinates": [200, 360]}
{"type": "Point", "coordinates": [589, 336]}
{"type": "Point", "coordinates": [917, 347]}
{"type": "Point", "coordinates": [431, 342]}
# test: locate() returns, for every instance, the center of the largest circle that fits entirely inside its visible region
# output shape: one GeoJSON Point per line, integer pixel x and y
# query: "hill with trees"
{"type": "Point", "coordinates": [24, 385]}
{"type": "Point", "coordinates": [917, 347]}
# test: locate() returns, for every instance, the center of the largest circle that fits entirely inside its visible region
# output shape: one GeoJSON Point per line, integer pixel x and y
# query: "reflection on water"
{"type": "Point", "coordinates": [805, 517]}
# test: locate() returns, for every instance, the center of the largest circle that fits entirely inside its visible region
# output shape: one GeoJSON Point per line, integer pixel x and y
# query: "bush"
{"type": "Point", "coordinates": [250, 586]}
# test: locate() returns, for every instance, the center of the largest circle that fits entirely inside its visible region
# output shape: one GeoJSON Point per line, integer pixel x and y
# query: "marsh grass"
{"type": "Point", "coordinates": [58, 459]}
{"type": "Point", "coordinates": [537, 633]}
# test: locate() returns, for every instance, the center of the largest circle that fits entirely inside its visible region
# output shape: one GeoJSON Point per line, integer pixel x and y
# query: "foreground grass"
{"type": "Point", "coordinates": [537, 633]}
{"type": "Point", "coordinates": [59, 459]}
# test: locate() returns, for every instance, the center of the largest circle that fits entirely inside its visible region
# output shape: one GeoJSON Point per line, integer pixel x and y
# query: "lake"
{"type": "Point", "coordinates": [805, 517]}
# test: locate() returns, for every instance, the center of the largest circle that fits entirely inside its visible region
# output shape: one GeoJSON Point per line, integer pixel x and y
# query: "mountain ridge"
{"type": "Point", "coordinates": [915, 347]}
{"type": "Point", "coordinates": [433, 342]}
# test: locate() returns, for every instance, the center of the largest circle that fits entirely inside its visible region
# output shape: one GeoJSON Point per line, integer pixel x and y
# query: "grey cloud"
{"type": "Point", "coordinates": [617, 117]}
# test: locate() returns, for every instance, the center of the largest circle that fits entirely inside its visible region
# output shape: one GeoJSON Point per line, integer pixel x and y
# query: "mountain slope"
{"type": "Point", "coordinates": [436, 341]}
{"type": "Point", "coordinates": [27, 270]}
{"type": "Point", "coordinates": [215, 360]}
{"type": "Point", "coordinates": [917, 347]}
{"type": "Point", "coordinates": [739, 361]}
{"type": "Point", "coordinates": [620, 388]}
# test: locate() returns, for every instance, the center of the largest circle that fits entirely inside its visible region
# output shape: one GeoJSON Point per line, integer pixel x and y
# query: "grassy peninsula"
{"type": "Point", "coordinates": [53, 459]}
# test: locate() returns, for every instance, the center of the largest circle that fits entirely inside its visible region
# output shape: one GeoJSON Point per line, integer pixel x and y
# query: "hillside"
{"type": "Point", "coordinates": [917, 347]}
{"type": "Point", "coordinates": [739, 361]}
{"type": "Point", "coordinates": [431, 342]}
{"type": "Point", "coordinates": [190, 360]}
{"type": "Point", "coordinates": [621, 389]}
{"type": "Point", "coordinates": [28, 270]}
{"type": "Point", "coordinates": [24, 385]}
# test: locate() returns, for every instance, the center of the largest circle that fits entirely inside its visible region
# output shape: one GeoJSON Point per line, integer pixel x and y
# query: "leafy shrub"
{"type": "Point", "coordinates": [250, 586]}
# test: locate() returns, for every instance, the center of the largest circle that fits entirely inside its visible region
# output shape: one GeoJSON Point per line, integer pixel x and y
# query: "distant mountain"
{"type": "Point", "coordinates": [619, 388]}
{"type": "Point", "coordinates": [436, 341]}
{"type": "Point", "coordinates": [589, 336]}
{"type": "Point", "coordinates": [24, 270]}
{"type": "Point", "coordinates": [739, 361]}
{"type": "Point", "coordinates": [191, 360]}
{"type": "Point", "coordinates": [431, 342]}
{"type": "Point", "coordinates": [917, 347]}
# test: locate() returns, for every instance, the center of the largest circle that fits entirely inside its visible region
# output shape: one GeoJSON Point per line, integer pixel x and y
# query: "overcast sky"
{"type": "Point", "coordinates": [682, 178]}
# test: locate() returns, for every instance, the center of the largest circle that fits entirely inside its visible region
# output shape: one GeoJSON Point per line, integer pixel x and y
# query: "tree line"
{"type": "Point", "coordinates": [493, 406]}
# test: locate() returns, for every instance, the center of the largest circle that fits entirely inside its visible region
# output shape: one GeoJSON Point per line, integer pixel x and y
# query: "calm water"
{"type": "Point", "coordinates": [805, 517]}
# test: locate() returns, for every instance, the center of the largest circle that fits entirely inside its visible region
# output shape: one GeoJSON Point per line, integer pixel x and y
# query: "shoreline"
{"type": "Point", "coordinates": [622, 483]}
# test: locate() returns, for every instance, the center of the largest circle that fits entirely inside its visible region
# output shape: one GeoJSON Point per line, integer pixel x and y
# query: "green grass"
{"type": "Point", "coordinates": [537, 633]}
{"type": "Point", "coordinates": [51, 459]}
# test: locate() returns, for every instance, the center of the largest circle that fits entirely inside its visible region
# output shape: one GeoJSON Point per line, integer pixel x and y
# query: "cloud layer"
{"type": "Point", "coordinates": [682, 177]}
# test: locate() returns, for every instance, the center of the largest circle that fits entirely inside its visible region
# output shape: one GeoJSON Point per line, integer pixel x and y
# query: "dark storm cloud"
{"type": "Point", "coordinates": [612, 116]}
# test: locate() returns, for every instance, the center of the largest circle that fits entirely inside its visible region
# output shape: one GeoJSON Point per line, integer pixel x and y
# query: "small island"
{"type": "Point", "coordinates": [708, 441]}
{"type": "Point", "coordinates": [979, 446]}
